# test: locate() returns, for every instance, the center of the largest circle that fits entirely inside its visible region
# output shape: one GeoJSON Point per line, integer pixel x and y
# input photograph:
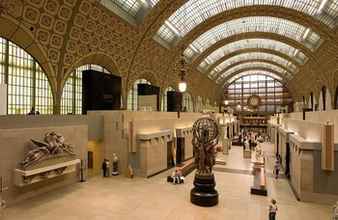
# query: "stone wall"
{"type": "Point", "coordinates": [15, 133]}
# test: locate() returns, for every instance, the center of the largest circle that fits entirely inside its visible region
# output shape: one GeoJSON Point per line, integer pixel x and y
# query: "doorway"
{"type": "Point", "coordinates": [287, 161]}
{"type": "Point", "coordinates": [90, 160]}
{"type": "Point", "coordinates": [170, 153]}
{"type": "Point", "coordinates": [180, 154]}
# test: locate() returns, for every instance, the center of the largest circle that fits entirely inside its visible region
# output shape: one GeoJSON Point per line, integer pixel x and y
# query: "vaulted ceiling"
{"type": "Point", "coordinates": [296, 40]}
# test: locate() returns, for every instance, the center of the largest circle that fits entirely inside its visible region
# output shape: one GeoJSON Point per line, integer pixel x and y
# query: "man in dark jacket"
{"type": "Point", "coordinates": [104, 168]}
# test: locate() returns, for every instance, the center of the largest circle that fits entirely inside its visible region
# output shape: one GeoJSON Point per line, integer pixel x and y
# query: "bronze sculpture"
{"type": "Point", "coordinates": [205, 131]}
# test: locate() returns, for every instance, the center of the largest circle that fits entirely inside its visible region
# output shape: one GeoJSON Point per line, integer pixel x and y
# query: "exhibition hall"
{"type": "Point", "coordinates": [168, 109]}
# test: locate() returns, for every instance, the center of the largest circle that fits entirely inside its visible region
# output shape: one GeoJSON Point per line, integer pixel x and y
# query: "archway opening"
{"type": "Point", "coordinates": [169, 92]}
{"type": "Point", "coordinates": [72, 96]}
{"type": "Point", "coordinates": [143, 96]}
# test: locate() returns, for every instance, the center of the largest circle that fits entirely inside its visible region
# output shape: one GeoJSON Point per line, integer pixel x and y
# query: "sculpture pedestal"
{"type": "Point", "coordinates": [204, 193]}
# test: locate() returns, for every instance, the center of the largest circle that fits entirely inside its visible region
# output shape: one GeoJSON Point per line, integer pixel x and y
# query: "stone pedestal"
{"type": "Point", "coordinates": [204, 193]}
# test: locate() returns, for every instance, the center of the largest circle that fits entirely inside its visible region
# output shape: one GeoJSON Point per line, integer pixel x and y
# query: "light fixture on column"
{"type": "Point", "coordinates": [182, 85]}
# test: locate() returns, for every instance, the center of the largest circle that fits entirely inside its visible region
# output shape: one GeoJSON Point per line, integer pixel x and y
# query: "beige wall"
{"type": "Point", "coordinates": [15, 133]}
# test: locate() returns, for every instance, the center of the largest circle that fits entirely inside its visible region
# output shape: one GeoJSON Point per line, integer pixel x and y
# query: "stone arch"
{"type": "Point", "coordinates": [155, 20]}
{"type": "Point", "coordinates": [249, 61]}
{"type": "Point", "coordinates": [253, 35]}
{"type": "Point", "coordinates": [254, 69]}
{"type": "Point", "coordinates": [100, 59]}
{"type": "Point", "coordinates": [264, 74]}
{"type": "Point", "coordinates": [243, 51]}
{"type": "Point", "coordinates": [17, 33]}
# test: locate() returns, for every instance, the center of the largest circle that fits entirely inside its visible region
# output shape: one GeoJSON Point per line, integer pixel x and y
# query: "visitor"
{"type": "Point", "coordinates": [32, 111]}
{"type": "Point", "coordinates": [335, 212]}
{"type": "Point", "coordinates": [273, 210]}
{"type": "Point", "coordinates": [105, 168]}
{"type": "Point", "coordinates": [177, 177]}
{"type": "Point", "coordinates": [277, 168]}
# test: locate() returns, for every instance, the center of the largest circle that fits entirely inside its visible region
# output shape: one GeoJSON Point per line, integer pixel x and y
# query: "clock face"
{"type": "Point", "coordinates": [254, 101]}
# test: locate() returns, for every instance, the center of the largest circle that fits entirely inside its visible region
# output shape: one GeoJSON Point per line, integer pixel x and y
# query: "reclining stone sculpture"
{"type": "Point", "coordinates": [53, 145]}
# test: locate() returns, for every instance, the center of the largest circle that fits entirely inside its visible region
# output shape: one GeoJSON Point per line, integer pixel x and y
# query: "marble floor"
{"type": "Point", "coordinates": [119, 198]}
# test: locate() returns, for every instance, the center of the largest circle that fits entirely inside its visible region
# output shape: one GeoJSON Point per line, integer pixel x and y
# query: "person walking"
{"type": "Point", "coordinates": [277, 168]}
{"type": "Point", "coordinates": [273, 209]}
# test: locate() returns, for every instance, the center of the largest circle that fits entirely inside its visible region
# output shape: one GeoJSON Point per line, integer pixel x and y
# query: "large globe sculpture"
{"type": "Point", "coordinates": [205, 131]}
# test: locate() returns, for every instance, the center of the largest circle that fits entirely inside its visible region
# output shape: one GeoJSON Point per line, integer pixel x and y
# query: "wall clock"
{"type": "Point", "coordinates": [254, 101]}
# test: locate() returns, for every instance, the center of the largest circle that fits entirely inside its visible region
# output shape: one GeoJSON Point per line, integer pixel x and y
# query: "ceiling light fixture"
{"type": "Point", "coordinates": [182, 85]}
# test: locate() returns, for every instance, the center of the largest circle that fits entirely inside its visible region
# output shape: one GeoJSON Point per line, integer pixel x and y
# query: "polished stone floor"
{"type": "Point", "coordinates": [119, 198]}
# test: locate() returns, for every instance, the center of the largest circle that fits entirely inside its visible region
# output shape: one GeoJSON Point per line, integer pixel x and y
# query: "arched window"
{"type": "Point", "coordinates": [133, 93]}
{"type": "Point", "coordinates": [71, 102]}
{"type": "Point", "coordinates": [199, 104]}
{"type": "Point", "coordinates": [312, 101]}
{"type": "Point", "coordinates": [164, 102]}
{"type": "Point", "coordinates": [28, 85]}
{"type": "Point", "coordinates": [273, 93]}
{"type": "Point", "coordinates": [324, 98]}
{"type": "Point", "coordinates": [187, 104]}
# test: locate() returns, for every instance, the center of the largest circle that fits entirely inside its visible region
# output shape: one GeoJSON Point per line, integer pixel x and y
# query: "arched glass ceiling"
{"type": "Point", "coordinates": [194, 12]}
{"type": "Point", "coordinates": [255, 65]}
{"type": "Point", "coordinates": [286, 49]}
{"type": "Point", "coordinates": [130, 7]}
{"type": "Point", "coordinates": [254, 56]}
{"type": "Point", "coordinates": [255, 77]}
{"type": "Point", "coordinates": [249, 73]}
{"type": "Point", "coordinates": [265, 24]}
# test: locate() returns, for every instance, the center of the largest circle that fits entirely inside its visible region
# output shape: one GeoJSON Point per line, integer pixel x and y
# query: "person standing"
{"type": "Point", "coordinates": [273, 209]}
{"type": "Point", "coordinates": [335, 212]}
{"type": "Point", "coordinates": [277, 168]}
{"type": "Point", "coordinates": [104, 167]}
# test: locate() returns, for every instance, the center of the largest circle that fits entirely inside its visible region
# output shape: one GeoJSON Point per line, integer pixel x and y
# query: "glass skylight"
{"type": "Point", "coordinates": [194, 12]}
{"type": "Point", "coordinates": [248, 73]}
{"type": "Point", "coordinates": [255, 65]}
{"type": "Point", "coordinates": [131, 7]}
{"type": "Point", "coordinates": [278, 46]}
{"type": "Point", "coordinates": [255, 56]}
{"type": "Point", "coordinates": [265, 24]}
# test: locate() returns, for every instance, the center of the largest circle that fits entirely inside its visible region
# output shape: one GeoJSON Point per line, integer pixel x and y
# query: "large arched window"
{"type": "Point", "coordinates": [199, 104]}
{"type": "Point", "coordinates": [324, 98]}
{"type": "Point", "coordinates": [187, 104]}
{"type": "Point", "coordinates": [71, 102]}
{"type": "Point", "coordinates": [132, 102]}
{"type": "Point", "coordinates": [273, 94]}
{"type": "Point", "coordinates": [28, 85]}
{"type": "Point", "coordinates": [164, 102]}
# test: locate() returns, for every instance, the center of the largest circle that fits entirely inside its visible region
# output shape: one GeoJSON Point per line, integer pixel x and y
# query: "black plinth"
{"type": "Point", "coordinates": [204, 193]}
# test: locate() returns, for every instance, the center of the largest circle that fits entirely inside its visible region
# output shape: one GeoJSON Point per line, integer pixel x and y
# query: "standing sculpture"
{"type": "Point", "coordinates": [205, 132]}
